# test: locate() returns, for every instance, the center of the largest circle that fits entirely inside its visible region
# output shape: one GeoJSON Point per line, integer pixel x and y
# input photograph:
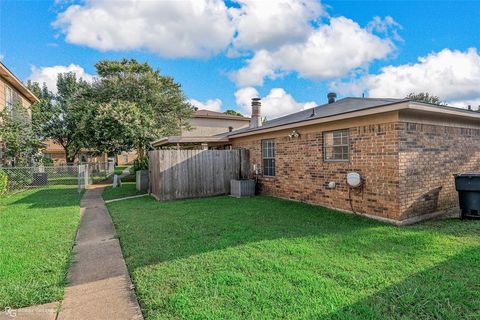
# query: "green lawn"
{"type": "Point", "coordinates": [127, 189]}
{"type": "Point", "coordinates": [266, 258]}
{"type": "Point", "coordinates": [37, 232]}
{"type": "Point", "coordinates": [119, 169]}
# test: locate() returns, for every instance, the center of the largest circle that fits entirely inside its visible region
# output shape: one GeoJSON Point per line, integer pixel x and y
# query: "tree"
{"type": "Point", "coordinates": [233, 113]}
{"type": "Point", "coordinates": [62, 117]}
{"type": "Point", "coordinates": [425, 97]}
{"type": "Point", "coordinates": [21, 144]}
{"type": "Point", "coordinates": [135, 105]}
{"type": "Point", "coordinates": [41, 110]}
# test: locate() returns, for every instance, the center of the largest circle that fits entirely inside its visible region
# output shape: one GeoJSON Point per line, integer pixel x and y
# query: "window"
{"type": "Point", "coordinates": [268, 154]}
{"type": "Point", "coordinates": [336, 146]}
{"type": "Point", "coordinates": [125, 158]}
{"type": "Point", "coordinates": [9, 98]}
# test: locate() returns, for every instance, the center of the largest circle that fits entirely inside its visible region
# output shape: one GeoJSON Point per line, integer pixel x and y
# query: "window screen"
{"type": "Point", "coordinates": [268, 154]}
{"type": "Point", "coordinates": [336, 145]}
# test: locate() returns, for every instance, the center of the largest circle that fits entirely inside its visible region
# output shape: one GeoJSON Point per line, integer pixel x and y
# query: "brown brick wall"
{"type": "Point", "coordinates": [302, 174]}
{"type": "Point", "coordinates": [408, 167]}
{"type": "Point", "coordinates": [429, 156]}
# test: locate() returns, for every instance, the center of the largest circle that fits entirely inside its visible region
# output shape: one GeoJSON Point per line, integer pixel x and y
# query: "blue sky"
{"type": "Point", "coordinates": [299, 65]}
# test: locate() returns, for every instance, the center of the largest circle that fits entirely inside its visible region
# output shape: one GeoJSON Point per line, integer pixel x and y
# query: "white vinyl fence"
{"type": "Point", "coordinates": [82, 175]}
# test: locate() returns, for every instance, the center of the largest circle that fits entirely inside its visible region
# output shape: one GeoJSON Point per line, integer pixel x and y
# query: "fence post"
{"type": "Point", "coordinates": [87, 175]}
{"type": "Point", "coordinates": [81, 177]}
{"type": "Point", "coordinates": [111, 168]}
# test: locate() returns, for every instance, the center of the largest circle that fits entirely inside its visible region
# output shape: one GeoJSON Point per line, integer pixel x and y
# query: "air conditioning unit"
{"type": "Point", "coordinates": [242, 188]}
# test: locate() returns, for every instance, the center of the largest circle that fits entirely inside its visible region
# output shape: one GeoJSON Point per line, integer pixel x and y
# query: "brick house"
{"type": "Point", "coordinates": [12, 91]}
{"type": "Point", "coordinates": [405, 152]}
{"type": "Point", "coordinates": [56, 153]}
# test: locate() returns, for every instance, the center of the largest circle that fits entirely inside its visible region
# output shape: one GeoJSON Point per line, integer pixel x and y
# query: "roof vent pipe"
{"type": "Point", "coordinates": [256, 119]}
{"type": "Point", "coordinates": [331, 97]}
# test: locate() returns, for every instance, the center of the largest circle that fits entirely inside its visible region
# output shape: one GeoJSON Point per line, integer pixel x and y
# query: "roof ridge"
{"type": "Point", "coordinates": [368, 98]}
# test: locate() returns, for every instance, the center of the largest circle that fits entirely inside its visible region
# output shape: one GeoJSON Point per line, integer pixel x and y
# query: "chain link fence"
{"type": "Point", "coordinates": [82, 175]}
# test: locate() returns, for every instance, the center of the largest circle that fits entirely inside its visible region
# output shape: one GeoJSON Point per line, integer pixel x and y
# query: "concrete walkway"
{"type": "Point", "coordinates": [99, 286]}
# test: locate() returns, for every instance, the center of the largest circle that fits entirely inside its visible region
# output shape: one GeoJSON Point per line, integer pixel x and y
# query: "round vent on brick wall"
{"type": "Point", "coordinates": [354, 179]}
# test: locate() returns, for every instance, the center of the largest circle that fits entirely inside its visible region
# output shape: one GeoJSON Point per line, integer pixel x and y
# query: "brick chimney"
{"type": "Point", "coordinates": [256, 119]}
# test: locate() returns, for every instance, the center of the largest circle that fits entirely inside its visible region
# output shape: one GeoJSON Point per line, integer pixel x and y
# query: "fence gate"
{"type": "Point", "coordinates": [178, 174]}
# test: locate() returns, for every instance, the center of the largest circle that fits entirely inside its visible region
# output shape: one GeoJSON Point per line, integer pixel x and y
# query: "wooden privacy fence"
{"type": "Point", "coordinates": [178, 174]}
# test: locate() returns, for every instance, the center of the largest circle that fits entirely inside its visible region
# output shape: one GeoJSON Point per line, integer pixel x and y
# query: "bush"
{"type": "Point", "coordinates": [3, 182]}
{"type": "Point", "coordinates": [139, 165]}
{"type": "Point", "coordinates": [19, 177]}
{"type": "Point", "coordinates": [46, 161]}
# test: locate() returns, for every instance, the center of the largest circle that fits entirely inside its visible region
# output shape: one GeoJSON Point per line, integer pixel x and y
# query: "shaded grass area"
{"type": "Point", "coordinates": [119, 169]}
{"type": "Point", "coordinates": [127, 189]}
{"type": "Point", "coordinates": [267, 258]}
{"type": "Point", "coordinates": [37, 232]}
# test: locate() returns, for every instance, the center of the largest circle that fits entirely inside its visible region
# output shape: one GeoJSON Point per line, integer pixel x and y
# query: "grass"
{"type": "Point", "coordinates": [127, 189]}
{"type": "Point", "coordinates": [119, 169]}
{"type": "Point", "coordinates": [266, 258]}
{"type": "Point", "coordinates": [37, 232]}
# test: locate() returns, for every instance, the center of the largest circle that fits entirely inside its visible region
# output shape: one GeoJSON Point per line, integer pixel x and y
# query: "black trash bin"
{"type": "Point", "coordinates": [468, 187]}
{"type": "Point", "coordinates": [39, 179]}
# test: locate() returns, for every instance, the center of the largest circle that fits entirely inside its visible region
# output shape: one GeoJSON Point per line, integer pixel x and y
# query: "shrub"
{"type": "Point", "coordinates": [139, 165]}
{"type": "Point", "coordinates": [46, 161]}
{"type": "Point", "coordinates": [3, 182]}
{"type": "Point", "coordinates": [19, 177]}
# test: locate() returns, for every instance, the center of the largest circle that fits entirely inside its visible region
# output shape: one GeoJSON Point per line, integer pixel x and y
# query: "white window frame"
{"type": "Point", "coordinates": [344, 144]}
{"type": "Point", "coordinates": [268, 155]}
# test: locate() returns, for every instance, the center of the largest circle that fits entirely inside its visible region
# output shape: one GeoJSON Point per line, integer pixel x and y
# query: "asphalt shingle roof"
{"type": "Point", "coordinates": [340, 106]}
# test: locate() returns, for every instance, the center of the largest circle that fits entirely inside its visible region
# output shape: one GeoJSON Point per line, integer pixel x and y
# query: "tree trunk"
{"type": "Point", "coordinates": [68, 157]}
{"type": "Point", "coordinates": [70, 160]}
{"type": "Point", "coordinates": [140, 153]}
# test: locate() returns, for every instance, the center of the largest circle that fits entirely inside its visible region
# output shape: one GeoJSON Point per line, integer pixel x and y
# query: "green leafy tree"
{"type": "Point", "coordinates": [232, 112]}
{"type": "Point", "coordinates": [21, 144]}
{"type": "Point", "coordinates": [135, 105]}
{"type": "Point", "coordinates": [41, 110]}
{"type": "Point", "coordinates": [62, 117]}
{"type": "Point", "coordinates": [426, 98]}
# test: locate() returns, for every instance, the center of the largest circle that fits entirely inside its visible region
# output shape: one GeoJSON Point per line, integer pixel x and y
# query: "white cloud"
{"type": "Point", "coordinates": [2, 56]}
{"type": "Point", "coordinates": [187, 28]}
{"type": "Point", "coordinates": [49, 75]}
{"type": "Point", "coordinates": [473, 103]}
{"type": "Point", "coordinates": [329, 52]}
{"type": "Point", "coordinates": [276, 104]}
{"type": "Point", "coordinates": [386, 26]}
{"type": "Point", "coordinates": [258, 68]}
{"type": "Point", "coordinates": [280, 36]}
{"type": "Point", "coordinates": [270, 24]}
{"type": "Point", "coordinates": [452, 75]}
{"type": "Point", "coordinates": [210, 104]}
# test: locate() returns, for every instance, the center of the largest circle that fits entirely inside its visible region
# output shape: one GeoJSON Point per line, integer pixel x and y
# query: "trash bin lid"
{"type": "Point", "coordinates": [468, 174]}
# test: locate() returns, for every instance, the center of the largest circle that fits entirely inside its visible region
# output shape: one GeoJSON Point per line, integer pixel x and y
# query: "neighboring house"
{"type": "Point", "coordinates": [126, 158]}
{"type": "Point", "coordinates": [12, 90]}
{"type": "Point", "coordinates": [209, 130]}
{"type": "Point", "coordinates": [56, 153]}
{"type": "Point", "coordinates": [406, 153]}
